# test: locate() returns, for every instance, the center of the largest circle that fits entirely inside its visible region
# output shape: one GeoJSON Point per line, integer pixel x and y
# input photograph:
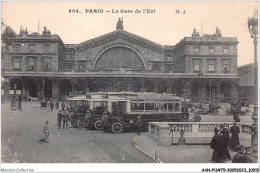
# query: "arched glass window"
{"type": "Point", "coordinates": [135, 87]}
{"type": "Point", "coordinates": [107, 87]}
{"type": "Point", "coordinates": [121, 87]}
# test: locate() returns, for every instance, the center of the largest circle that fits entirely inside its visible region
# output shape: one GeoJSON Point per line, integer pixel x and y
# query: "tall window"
{"type": "Point", "coordinates": [16, 65]}
{"type": "Point", "coordinates": [196, 66]}
{"type": "Point", "coordinates": [32, 48]}
{"type": "Point", "coordinates": [169, 58]}
{"type": "Point", "coordinates": [196, 51]}
{"type": "Point", "coordinates": [46, 48]}
{"type": "Point", "coordinates": [107, 87]}
{"type": "Point", "coordinates": [211, 51]}
{"type": "Point", "coordinates": [121, 87]}
{"type": "Point", "coordinates": [225, 67]}
{"type": "Point", "coordinates": [225, 51]}
{"type": "Point", "coordinates": [211, 67]}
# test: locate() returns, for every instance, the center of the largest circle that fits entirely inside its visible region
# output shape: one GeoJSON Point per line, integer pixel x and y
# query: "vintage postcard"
{"type": "Point", "coordinates": [172, 83]}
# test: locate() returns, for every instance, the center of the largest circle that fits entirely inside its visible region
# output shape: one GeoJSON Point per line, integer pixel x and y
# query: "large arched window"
{"type": "Point", "coordinates": [107, 87]}
{"type": "Point", "coordinates": [135, 87]}
{"type": "Point", "coordinates": [119, 58]}
{"type": "Point", "coordinates": [121, 86]}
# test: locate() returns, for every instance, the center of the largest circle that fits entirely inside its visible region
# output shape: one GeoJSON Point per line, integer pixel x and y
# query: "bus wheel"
{"type": "Point", "coordinates": [98, 125]}
{"type": "Point", "coordinates": [81, 124]}
{"type": "Point", "coordinates": [117, 128]}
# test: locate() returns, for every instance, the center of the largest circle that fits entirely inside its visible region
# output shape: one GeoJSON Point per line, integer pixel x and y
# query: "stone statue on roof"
{"type": "Point", "coordinates": [120, 25]}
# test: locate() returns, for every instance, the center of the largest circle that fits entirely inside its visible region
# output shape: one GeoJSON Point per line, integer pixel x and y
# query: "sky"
{"type": "Point", "coordinates": [165, 26]}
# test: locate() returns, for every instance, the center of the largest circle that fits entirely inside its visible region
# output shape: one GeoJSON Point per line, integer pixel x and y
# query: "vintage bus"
{"type": "Point", "coordinates": [151, 106]}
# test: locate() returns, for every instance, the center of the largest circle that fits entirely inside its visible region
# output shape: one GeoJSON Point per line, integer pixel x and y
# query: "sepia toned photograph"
{"type": "Point", "coordinates": [129, 82]}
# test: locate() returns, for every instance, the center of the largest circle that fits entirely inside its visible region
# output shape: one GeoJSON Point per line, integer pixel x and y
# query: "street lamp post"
{"type": "Point", "coordinates": [200, 75]}
{"type": "Point", "coordinates": [43, 88]}
{"type": "Point", "coordinates": [253, 29]}
{"type": "Point", "coordinates": [14, 100]}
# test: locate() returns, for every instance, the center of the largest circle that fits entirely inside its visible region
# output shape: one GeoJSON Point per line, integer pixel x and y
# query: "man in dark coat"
{"type": "Point", "coordinates": [59, 118]}
{"type": "Point", "coordinates": [217, 146]}
{"type": "Point", "coordinates": [19, 103]}
{"type": "Point", "coordinates": [225, 139]}
{"type": "Point", "coordinates": [65, 119]}
{"type": "Point", "coordinates": [234, 130]}
{"type": "Point", "coordinates": [138, 125]}
{"type": "Point", "coordinates": [51, 105]}
{"type": "Point", "coordinates": [219, 143]}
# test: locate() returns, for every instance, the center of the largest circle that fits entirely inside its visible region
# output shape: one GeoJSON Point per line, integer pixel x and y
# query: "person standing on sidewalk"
{"type": "Point", "coordinates": [63, 105]}
{"type": "Point", "coordinates": [59, 118]}
{"type": "Point", "coordinates": [234, 130]}
{"type": "Point", "coordinates": [217, 146]}
{"type": "Point", "coordinates": [19, 103]}
{"type": "Point", "coordinates": [51, 105]}
{"type": "Point", "coordinates": [65, 119]}
{"type": "Point", "coordinates": [138, 125]}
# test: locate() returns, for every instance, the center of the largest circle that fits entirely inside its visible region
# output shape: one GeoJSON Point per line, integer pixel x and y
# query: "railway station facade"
{"type": "Point", "coordinates": [202, 67]}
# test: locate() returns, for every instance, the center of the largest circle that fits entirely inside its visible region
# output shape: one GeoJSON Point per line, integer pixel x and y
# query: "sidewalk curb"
{"type": "Point", "coordinates": [137, 147]}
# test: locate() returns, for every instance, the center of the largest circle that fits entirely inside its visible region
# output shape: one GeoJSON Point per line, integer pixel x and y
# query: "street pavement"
{"type": "Point", "coordinates": [22, 130]}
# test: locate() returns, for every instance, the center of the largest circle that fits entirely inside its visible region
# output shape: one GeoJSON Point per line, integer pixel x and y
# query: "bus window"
{"type": "Point", "coordinates": [177, 107]}
{"type": "Point", "coordinates": [156, 106]}
{"type": "Point", "coordinates": [163, 106]}
{"type": "Point", "coordinates": [170, 106]}
{"type": "Point", "coordinates": [149, 106]}
{"type": "Point", "coordinates": [137, 106]}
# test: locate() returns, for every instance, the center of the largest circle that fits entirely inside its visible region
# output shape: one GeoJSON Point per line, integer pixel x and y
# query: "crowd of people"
{"type": "Point", "coordinates": [221, 143]}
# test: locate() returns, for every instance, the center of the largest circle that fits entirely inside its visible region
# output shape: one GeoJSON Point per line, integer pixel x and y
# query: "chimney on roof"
{"type": "Point", "coordinates": [45, 31]}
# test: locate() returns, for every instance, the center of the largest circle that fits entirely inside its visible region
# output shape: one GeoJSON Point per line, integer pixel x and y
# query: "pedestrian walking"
{"type": "Point", "coordinates": [234, 130]}
{"type": "Point", "coordinates": [225, 139]}
{"type": "Point", "coordinates": [138, 125]}
{"type": "Point", "coordinates": [19, 103]}
{"type": "Point", "coordinates": [57, 105]}
{"type": "Point", "coordinates": [51, 105]}
{"type": "Point", "coordinates": [220, 143]}
{"type": "Point", "coordinates": [65, 119]}
{"type": "Point", "coordinates": [48, 106]}
{"type": "Point", "coordinates": [45, 133]}
{"type": "Point", "coordinates": [217, 146]}
{"type": "Point", "coordinates": [63, 106]}
{"type": "Point", "coordinates": [59, 119]}
{"type": "Point", "coordinates": [238, 156]}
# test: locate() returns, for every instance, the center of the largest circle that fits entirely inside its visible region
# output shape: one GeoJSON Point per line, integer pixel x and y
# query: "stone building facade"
{"type": "Point", "coordinates": [202, 67]}
{"type": "Point", "coordinates": [246, 82]}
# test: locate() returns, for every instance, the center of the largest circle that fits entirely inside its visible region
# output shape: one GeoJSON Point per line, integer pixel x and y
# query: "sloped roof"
{"type": "Point", "coordinates": [123, 35]}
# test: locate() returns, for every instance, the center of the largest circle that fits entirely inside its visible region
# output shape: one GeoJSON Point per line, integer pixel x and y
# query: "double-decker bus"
{"type": "Point", "coordinates": [151, 106]}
